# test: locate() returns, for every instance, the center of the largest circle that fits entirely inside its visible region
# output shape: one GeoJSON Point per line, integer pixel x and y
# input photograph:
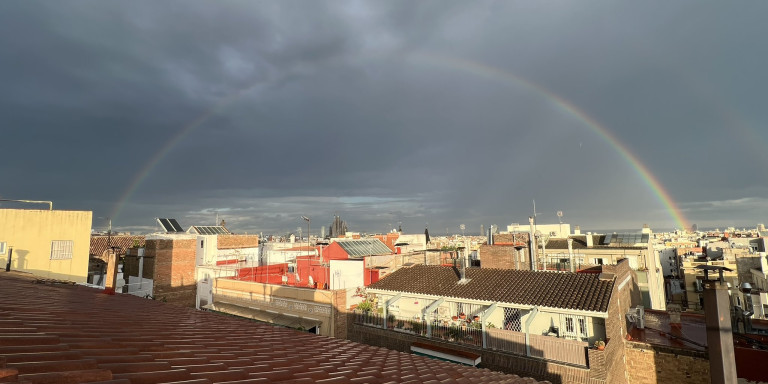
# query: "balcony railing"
{"type": "Point", "coordinates": [470, 334]}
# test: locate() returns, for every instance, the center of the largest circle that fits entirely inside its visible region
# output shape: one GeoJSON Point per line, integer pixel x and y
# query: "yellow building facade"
{"type": "Point", "coordinates": [47, 243]}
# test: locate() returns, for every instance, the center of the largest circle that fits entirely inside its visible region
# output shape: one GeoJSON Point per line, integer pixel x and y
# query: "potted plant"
{"type": "Point", "coordinates": [454, 318]}
{"type": "Point", "coordinates": [365, 306]}
{"type": "Point", "coordinates": [476, 318]}
{"type": "Point", "coordinates": [600, 345]}
{"type": "Point", "coordinates": [462, 316]}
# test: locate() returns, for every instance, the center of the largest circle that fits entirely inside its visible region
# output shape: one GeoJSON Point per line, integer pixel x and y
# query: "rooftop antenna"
{"type": "Point", "coordinates": [560, 219]}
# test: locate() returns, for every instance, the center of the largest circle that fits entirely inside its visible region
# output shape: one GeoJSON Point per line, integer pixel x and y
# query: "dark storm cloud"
{"type": "Point", "coordinates": [315, 108]}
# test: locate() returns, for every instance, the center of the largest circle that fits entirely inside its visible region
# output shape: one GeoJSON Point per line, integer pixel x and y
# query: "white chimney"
{"type": "Point", "coordinates": [576, 230]}
{"type": "Point", "coordinates": [589, 240]}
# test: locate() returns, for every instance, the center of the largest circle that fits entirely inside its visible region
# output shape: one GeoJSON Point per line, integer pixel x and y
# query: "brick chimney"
{"type": "Point", "coordinates": [717, 316]}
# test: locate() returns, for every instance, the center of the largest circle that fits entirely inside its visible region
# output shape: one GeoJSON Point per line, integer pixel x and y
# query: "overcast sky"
{"type": "Point", "coordinates": [416, 112]}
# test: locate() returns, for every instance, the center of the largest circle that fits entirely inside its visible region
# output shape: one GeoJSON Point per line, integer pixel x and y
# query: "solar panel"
{"type": "Point", "coordinates": [175, 225]}
{"type": "Point", "coordinates": [166, 225]}
{"type": "Point", "coordinates": [170, 225]}
{"type": "Point", "coordinates": [211, 230]}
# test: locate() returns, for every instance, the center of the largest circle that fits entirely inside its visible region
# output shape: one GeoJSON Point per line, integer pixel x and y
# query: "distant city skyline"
{"type": "Point", "coordinates": [435, 113]}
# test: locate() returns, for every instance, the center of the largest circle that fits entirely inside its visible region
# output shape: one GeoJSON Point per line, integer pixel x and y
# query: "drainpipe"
{"type": "Point", "coordinates": [534, 312]}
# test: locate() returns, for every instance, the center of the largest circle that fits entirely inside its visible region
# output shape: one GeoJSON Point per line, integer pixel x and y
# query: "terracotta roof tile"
{"type": "Point", "coordinates": [578, 291]}
{"type": "Point", "coordinates": [73, 334]}
{"type": "Point", "coordinates": [100, 243]}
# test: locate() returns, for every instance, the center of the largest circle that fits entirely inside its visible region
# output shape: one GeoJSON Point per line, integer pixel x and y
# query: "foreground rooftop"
{"type": "Point", "coordinates": [61, 333]}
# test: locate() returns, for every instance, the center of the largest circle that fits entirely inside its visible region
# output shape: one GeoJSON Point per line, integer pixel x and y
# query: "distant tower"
{"type": "Point", "coordinates": [338, 228]}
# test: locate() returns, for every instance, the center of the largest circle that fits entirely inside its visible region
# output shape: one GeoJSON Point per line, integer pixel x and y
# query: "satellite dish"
{"type": "Point", "coordinates": [559, 213]}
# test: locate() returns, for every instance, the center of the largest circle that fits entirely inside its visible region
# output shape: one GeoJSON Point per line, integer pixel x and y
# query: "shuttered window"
{"type": "Point", "coordinates": [61, 249]}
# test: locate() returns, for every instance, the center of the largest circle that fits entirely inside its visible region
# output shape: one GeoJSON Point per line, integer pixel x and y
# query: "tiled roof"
{"type": "Point", "coordinates": [576, 291]}
{"type": "Point", "coordinates": [72, 334]}
{"type": "Point", "coordinates": [99, 243]}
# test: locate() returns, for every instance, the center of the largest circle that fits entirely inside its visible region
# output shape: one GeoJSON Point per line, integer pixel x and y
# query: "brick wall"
{"type": "Point", "coordinates": [174, 270]}
{"type": "Point", "coordinates": [647, 364]}
{"type": "Point", "coordinates": [509, 238]}
{"type": "Point", "coordinates": [340, 315]}
{"type": "Point", "coordinates": [494, 360]}
{"type": "Point", "coordinates": [502, 256]}
{"type": "Point", "coordinates": [237, 241]}
{"type": "Point", "coordinates": [625, 294]}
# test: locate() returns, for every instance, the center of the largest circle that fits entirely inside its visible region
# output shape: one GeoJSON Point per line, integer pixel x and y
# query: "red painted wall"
{"type": "Point", "coordinates": [306, 266]}
{"type": "Point", "coordinates": [747, 366]}
{"type": "Point", "coordinates": [334, 252]}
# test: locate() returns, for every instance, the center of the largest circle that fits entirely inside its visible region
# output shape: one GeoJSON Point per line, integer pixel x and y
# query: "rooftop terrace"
{"type": "Point", "coordinates": [58, 333]}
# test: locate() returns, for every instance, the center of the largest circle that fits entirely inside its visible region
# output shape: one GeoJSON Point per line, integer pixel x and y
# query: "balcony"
{"type": "Point", "coordinates": [470, 334]}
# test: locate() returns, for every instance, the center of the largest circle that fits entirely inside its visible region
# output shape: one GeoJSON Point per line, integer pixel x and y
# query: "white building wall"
{"type": "Point", "coordinates": [668, 260]}
{"type": "Point", "coordinates": [346, 274]}
{"type": "Point", "coordinates": [551, 230]}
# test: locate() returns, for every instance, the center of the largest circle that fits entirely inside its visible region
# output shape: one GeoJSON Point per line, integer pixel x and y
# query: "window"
{"type": "Point", "coordinates": [2, 247]}
{"type": "Point", "coordinates": [201, 243]}
{"type": "Point", "coordinates": [599, 261]}
{"type": "Point", "coordinates": [574, 327]}
{"type": "Point", "coordinates": [61, 249]}
{"type": "Point", "coordinates": [512, 319]}
{"type": "Point", "coordinates": [569, 325]}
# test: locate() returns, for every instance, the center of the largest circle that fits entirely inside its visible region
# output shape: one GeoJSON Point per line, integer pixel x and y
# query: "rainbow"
{"type": "Point", "coordinates": [448, 62]}
{"type": "Point", "coordinates": [172, 142]}
{"type": "Point", "coordinates": [497, 74]}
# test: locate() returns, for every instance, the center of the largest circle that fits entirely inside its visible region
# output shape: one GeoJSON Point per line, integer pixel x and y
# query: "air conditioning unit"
{"type": "Point", "coordinates": [636, 316]}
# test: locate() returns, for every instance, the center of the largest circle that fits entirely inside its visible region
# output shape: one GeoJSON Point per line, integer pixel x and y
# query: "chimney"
{"type": "Point", "coordinates": [463, 269]}
{"type": "Point", "coordinates": [590, 242]}
{"type": "Point", "coordinates": [577, 230]}
{"type": "Point", "coordinates": [570, 254]}
{"type": "Point", "coordinates": [111, 279]}
{"type": "Point", "coordinates": [717, 316]}
{"type": "Point", "coordinates": [490, 236]}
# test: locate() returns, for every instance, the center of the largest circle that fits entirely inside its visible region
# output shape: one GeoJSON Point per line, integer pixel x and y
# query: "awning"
{"type": "Point", "coordinates": [284, 320]}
